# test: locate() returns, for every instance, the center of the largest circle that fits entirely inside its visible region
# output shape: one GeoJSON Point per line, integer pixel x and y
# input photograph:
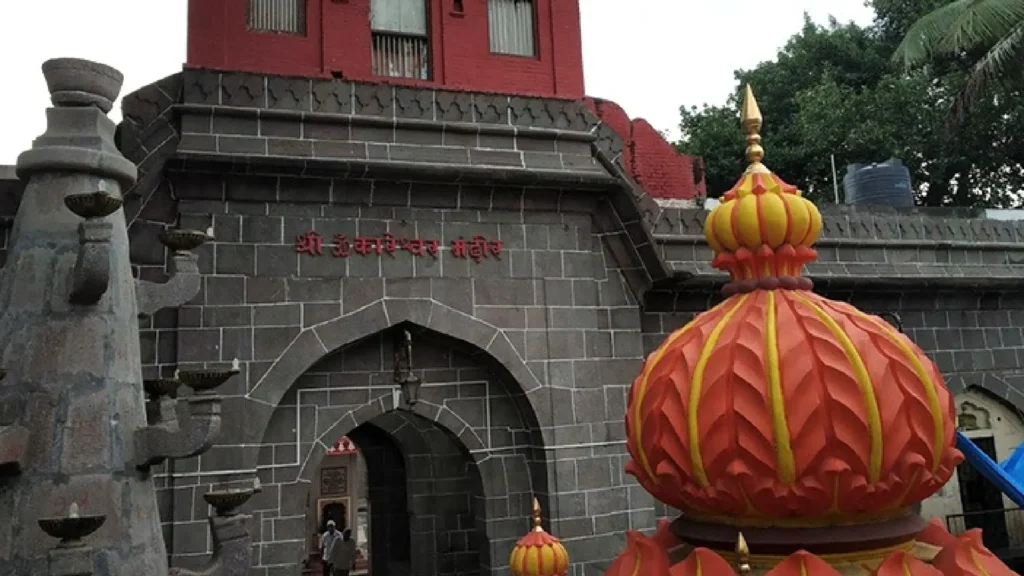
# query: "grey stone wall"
{"type": "Point", "coordinates": [551, 330]}
{"type": "Point", "coordinates": [875, 247]}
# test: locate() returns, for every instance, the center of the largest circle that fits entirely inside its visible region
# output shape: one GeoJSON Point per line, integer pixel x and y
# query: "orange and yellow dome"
{"type": "Point", "coordinates": [778, 406]}
{"type": "Point", "coordinates": [539, 553]}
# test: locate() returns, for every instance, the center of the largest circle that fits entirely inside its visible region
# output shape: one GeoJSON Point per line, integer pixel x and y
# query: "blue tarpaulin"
{"type": "Point", "coordinates": [1008, 476]}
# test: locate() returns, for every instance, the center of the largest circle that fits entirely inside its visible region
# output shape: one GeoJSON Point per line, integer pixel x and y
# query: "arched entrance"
{"type": "Point", "coordinates": [435, 482]}
{"type": "Point", "coordinates": [409, 492]}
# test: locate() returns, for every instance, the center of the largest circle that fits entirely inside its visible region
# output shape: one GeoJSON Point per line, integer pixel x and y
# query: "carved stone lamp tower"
{"type": "Point", "coordinates": [74, 424]}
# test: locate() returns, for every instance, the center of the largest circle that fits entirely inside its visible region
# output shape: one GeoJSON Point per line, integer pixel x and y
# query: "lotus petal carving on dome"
{"type": "Point", "coordinates": [902, 563]}
{"type": "Point", "coordinates": [803, 564]}
{"type": "Point", "coordinates": [703, 561]}
{"type": "Point", "coordinates": [642, 556]}
{"type": "Point", "coordinates": [780, 405]}
{"type": "Point", "coordinates": [969, 557]}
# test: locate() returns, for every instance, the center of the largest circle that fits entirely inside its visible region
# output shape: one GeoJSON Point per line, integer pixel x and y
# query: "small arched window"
{"type": "Point", "coordinates": [277, 16]}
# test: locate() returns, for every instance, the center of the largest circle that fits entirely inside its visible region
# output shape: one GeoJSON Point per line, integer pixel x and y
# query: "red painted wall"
{"type": "Point", "coordinates": [654, 163]}
{"type": "Point", "coordinates": [338, 40]}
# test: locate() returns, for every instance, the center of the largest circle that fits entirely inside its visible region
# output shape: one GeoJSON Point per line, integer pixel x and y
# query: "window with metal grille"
{"type": "Point", "coordinates": [512, 27]}
{"type": "Point", "coordinates": [280, 16]}
{"type": "Point", "coordinates": [401, 41]}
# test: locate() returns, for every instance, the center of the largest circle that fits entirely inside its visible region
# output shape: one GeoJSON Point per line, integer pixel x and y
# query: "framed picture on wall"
{"type": "Point", "coordinates": [336, 509]}
{"type": "Point", "coordinates": [334, 481]}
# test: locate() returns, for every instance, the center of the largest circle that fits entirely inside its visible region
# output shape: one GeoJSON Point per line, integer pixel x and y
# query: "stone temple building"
{"type": "Point", "coordinates": [439, 265]}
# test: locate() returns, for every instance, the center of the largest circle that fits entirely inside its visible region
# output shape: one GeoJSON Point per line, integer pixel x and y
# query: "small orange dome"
{"type": "Point", "coordinates": [779, 406]}
{"type": "Point", "coordinates": [539, 553]}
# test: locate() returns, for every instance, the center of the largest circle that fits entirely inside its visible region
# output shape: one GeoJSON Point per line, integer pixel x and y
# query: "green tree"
{"type": "Point", "coordinates": [833, 90]}
{"type": "Point", "coordinates": [848, 54]}
{"type": "Point", "coordinates": [894, 17]}
{"type": "Point", "coordinates": [986, 34]}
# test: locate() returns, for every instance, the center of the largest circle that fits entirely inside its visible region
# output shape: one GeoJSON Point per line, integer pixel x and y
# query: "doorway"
{"type": "Point", "coordinates": [413, 500]}
{"type": "Point", "coordinates": [982, 501]}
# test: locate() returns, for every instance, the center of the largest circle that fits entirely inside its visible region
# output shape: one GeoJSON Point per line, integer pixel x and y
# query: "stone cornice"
{"type": "Point", "coordinates": [401, 170]}
{"type": "Point", "coordinates": [387, 122]}
{"type": "Point", "coordinates": [876, 248]}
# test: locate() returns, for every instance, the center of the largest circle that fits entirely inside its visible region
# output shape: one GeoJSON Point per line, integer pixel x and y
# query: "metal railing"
{"type": "Point", "coordinates": [281, 16]}
{"type": "Point", "coordinates": [1001, 529]}
{"type": "Point", "coordinates": [401, 55]}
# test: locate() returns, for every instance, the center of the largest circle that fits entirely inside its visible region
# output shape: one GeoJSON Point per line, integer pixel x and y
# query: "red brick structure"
{"type": "Point", "coordinates": [529, 48]}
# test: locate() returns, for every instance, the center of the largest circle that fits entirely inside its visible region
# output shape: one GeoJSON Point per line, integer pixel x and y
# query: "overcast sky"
{"type": "Point", "coordinates": [650, 56]}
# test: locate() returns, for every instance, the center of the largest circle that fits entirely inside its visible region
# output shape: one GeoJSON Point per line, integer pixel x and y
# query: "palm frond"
{"type": "Point", "coordinates": [1001, 62]}
{"type": "Point", "coordinates": [982, 23]}
{"type": "Point", "coordinates": [922, 39]}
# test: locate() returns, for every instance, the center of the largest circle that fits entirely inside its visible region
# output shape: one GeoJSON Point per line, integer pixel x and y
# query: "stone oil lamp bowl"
{"type": "Point", "coordinates": [161, 387]}
{"type": "Point", "coordinates": [226, 502]}
{"type": "Point", "coordinates": [72, 529]}
{"type": "Point", "coordinates": [99, 204]}
{"type": "Point", "coordinates": [75, 82]}
{"type": "Point", "coordinates": [180, 240]}
{"type": "Point", "coordinates": [206, 380]}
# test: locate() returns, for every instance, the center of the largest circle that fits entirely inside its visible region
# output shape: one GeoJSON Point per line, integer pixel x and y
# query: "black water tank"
{"type": "Point", "coordinates": [887, 184]}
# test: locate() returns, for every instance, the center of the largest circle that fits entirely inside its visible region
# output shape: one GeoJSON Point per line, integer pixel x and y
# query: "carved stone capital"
{"type": "Point", "coordinates": [178, 439]}
{"type": "Point", "coordinates": [91, 275]}
{"type": "Point", "coordinates": [232, 549]}
{"type": "Point", "coordinates": [182, 286]}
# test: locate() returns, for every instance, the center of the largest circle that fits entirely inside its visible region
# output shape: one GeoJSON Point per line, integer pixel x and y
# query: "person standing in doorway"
{"type": "Point", "coordinates": [328, 540]}
{"type": "Point", "coordinates": [344, 557]}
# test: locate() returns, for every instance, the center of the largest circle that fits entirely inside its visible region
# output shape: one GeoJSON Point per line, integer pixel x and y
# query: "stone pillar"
{"type": "Point", "coordinates": [74, 378]}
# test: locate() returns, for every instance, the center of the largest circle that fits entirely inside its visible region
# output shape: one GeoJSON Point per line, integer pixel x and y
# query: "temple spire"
{"type": "Point", "coordinates": [536, 516]}
{"type": "Point", "coordinates": [751, 121]}
{"type": "Point", "coordinates": [742, 551]}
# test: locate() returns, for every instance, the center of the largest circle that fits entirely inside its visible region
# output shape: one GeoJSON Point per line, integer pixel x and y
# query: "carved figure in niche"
{"type": "Point", "coordinates": [973, 417]}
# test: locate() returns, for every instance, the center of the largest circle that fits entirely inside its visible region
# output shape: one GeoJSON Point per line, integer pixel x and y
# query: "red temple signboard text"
{"type": "Point", "coordinates": [312, 243]}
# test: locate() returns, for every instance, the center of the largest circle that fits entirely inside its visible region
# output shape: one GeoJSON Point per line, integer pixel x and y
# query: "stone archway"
{"type": "Point", "coordinates": [320, 340]}
{"type": "Point", "coordinates": [427, 509]}
{"type": "Point", "coordinates": [465, 403]}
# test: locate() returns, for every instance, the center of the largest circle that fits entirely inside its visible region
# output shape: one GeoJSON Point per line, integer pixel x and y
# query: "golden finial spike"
{"type": "Point", "coordinates": [536, 516]}
{"type": "Point", "coordinates": [742, 551]}
{"type": "Point", "coordinates": [751, 121]}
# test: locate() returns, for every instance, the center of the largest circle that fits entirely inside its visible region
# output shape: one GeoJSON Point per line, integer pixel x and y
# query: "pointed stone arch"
{"type": "Point", "coordinates": [320, 340]}
{"type": "Point", "coordinates": [442, 416]}
{"type": "Point", "coordinates": [966, 405]}
{"type": "Point", "coordinates": [487, 473]}
{"type": "Point", "coordinates": [506, 478]}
